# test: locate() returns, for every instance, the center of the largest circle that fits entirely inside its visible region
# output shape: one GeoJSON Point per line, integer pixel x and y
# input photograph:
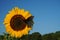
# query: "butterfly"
{"type": "Point", "coordinates": [29, 21]}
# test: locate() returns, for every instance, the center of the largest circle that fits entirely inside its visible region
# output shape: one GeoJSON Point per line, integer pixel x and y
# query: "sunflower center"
{"type": "Point", "coordinates": [17, 22]}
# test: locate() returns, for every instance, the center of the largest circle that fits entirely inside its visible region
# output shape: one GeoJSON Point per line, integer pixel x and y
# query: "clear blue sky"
{"type": "Point", "coordinates": [46, 13]}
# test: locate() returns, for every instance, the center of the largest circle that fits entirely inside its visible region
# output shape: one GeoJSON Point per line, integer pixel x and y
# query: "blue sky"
{"type": "Point", "coordinates": [46, 13]}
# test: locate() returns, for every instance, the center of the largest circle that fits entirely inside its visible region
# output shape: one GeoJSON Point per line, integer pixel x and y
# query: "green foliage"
{"type": "Point", "coordinates": [52, 36]}
{"type": "Point", "coordinates": [33, 36]}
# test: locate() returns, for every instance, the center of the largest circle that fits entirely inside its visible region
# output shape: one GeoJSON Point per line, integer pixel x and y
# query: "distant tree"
{"type": "Point", "coordinates": [36, 36]}
{"type": "Point", "coordinates": [57, 35]}
{"type": "Point", "coordinates": [1, 37]}
{"type": "Point", "coordinates": [49, 36]}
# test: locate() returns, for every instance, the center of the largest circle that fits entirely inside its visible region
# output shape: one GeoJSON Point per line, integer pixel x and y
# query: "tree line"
{"type": "Point", "coordinates": [33, 36]}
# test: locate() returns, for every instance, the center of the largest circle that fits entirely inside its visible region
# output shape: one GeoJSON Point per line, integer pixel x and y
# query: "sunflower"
{"type": "Point", "coordinates": [17, 22]}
